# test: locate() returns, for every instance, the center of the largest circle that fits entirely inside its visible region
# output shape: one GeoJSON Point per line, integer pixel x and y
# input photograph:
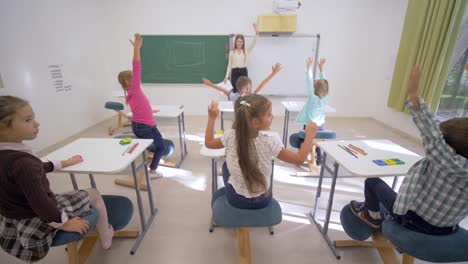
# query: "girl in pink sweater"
{"type": "Point", "coordinates": [143, 124]}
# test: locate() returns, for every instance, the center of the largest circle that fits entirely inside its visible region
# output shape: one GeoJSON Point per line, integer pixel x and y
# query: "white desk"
{"type": "Point", "coordinates": [104, 156]}
{"type": "Point", "coordinates": [173, 111]}
{"type": "Point", "coordinates": [359, 167]}
{"type": "Point", "coordinates": [225, 107]}
{"type": "Point", "coordinates": [295, 107]}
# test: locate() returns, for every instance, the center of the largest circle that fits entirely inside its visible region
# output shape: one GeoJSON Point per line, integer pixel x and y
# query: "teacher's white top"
{"type": "Point", "coordinates": [378, 149]}
{"type": "Point", "coordinates": [100, 155]}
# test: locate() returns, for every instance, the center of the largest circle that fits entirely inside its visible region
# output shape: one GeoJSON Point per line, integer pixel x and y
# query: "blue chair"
{"type": "Point", "coordinates": [440, 249]}
{"type": "Point", "coordinates": [226, 215]}
{"type": "Point", "coordinates": [117, 107]}
{"type": "Point", "coordinates": [119, 212]}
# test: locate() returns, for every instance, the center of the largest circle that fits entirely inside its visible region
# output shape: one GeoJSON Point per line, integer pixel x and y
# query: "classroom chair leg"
{"type": "Point", "coordinates": [72, 250]}
{"type": "Point", "coordinates": [243, 246]}
{"type": "Point", "coordinates": [271, 230]}
{"type": "Point", "coordinates": [130, 182]}
{"type": "Point", "coordinates": [387, 254]}
{"type": "Point", "coordinates": [211, 225]}
{"type": "Point", "coordinates": [407, 259]}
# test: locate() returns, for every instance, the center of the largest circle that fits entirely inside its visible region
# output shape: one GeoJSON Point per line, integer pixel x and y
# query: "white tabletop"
{"type": "Point", "coordinates": [297, 106]}
{"type": "Point", "coordinates": [100, 155]}
{"type": "Point", "coordinates": [375, 149]}
{"type": "Point", "coordinates": [226, 106]}
{"type": "Point", "coordinates": [165, 110]}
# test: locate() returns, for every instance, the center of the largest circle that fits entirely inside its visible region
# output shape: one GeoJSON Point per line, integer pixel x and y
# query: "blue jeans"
{"type": "Point", "coordinates": [240, 201]}
{"type": "Point", "coordinates": [150, 132]}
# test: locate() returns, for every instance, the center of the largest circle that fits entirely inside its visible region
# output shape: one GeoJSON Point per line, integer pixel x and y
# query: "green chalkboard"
{"type": "Point", "coordinates": [183, 58]}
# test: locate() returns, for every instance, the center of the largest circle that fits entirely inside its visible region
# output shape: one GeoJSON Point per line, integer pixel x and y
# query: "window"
{"type": "Point", "coordinates": [454, 100]}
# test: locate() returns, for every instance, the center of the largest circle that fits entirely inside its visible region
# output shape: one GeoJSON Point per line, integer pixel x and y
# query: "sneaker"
{"type": "Point", "coordinates": [361, 211]}
{"type": "Point", "coordinates": [155, 174]}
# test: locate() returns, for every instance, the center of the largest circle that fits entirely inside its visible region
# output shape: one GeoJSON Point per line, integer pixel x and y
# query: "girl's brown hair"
{"type": "Point", "coordinates": [248, 107]}
{"type": "Point", "coordinates": [242, 82]}
{"type": "Point", "coordinates": [9, 105]}
{"type": "Point", "coordinates": [122, 77]}
{"type": "Point", "coordinates": [455, 133]}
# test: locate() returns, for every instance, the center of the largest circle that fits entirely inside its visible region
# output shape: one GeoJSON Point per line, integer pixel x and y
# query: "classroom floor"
{"type": "Point", "coordinates": [179, 233]}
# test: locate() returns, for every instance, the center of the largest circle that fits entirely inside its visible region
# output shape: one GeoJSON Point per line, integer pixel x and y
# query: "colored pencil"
{"type": "Point", "coordinates": [344, 148]}
{"type": "Point", "coordinates": [125, 151]}
{"type": "Point", "coordinates": [133, 148]}
{"type": "Point", "coordinates": [360, 151]}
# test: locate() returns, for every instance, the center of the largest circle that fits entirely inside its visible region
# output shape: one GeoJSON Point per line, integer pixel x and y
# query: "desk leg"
{"type": "Point", "coordinates": [183, 130]}
{"type": "Point", "coordinates": [285, 127]}
{"type": "Point", "coordinates": [92, 181]}
{"type": "Point", "coordinates": [222, 120]}
{"type": "Point", "coordinates": [395, 182]}
{"type": "Point", "coordinates": [319, 187]}
{"type": "Point", "coordinates": [73, 180]}
{"type": "Point", "coordinates": [183, 147]}
{"type": "Point", "coordinates": [144, 224]}
{"type": "Point", "coordinates": [324, 230]}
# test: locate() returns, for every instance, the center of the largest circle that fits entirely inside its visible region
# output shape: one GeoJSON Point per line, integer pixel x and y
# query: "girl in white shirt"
{"type": "Point", "coordinates": [247, 176]}
{"type": "Point", "coordinates": [238, 58]}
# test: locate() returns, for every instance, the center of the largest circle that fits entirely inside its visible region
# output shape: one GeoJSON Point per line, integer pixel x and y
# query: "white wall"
{"type": "Point", "coordinates": [359, 38]}
{"type": "Point", "coordinates": [36, 34]}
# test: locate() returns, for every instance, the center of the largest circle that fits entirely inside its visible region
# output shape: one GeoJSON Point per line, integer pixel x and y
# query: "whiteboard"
{"type": "Point", "coordinates": [289, 50]}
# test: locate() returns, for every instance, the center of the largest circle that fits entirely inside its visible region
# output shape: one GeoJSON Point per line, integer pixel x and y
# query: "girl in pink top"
{"type": "Point", "coordinates": [143, 124]}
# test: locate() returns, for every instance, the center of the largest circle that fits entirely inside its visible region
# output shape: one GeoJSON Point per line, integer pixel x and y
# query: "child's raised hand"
{"type": "Point", "coordinates": [213, 110]}
{"type": "Point", "coordinates": [76, 224]}
{"type": "Point", "coordinates": [311, 129]}
{"type": "Point", "coordinates": [309, 63]}
{"type": "Point", "coordinates": [413, 83]}
{"type": "Point", "coordinates": [321, 63]}
{"type": "Point", "coordinates": [276, 68]}
{"type": "Point", "coordinates": [138, 41]}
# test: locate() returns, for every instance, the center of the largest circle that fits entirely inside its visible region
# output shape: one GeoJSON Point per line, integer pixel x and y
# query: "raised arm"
{"type": "Point", "coordinates": [254, 40]}
{"type": "Point", "coordinates": [300, 156]}
{"type": "Point", "coordinates": [136, 74]}
{"type": "Point", "coordinates": [274, 70]}
{"type": "Point", "coordinates": [210, 141]}
{"type": "Point", "coordinates": [321, 65]}
{"type": "Point", "coordinates": [436, 148]}
{"type": "Point", "coordinates": [215, 86]}
{"type": "Point", "coordinates": [310, 77]}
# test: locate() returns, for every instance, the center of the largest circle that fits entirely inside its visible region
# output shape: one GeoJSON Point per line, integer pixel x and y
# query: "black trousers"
{"type": "Point", "coordinates": [377, 192]}
{"type": "Point", "coordinates": [235, 74]}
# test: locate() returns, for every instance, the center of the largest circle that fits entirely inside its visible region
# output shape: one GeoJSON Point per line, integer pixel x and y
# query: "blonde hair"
{"type": "Point", "coordinates": [122, 77]}
{"type": "Point", "coordinates": [321, 88]}
{"type": "Point", "coordinates": [9, 105]}
{"type": "Point", "coordinates": [246, 108]}
{"type": "Point", "coordinates": [242, 82]}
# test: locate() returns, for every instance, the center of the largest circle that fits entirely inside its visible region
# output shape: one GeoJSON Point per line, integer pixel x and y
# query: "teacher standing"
{"type": "Point", "coordinates": [238, 58]}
